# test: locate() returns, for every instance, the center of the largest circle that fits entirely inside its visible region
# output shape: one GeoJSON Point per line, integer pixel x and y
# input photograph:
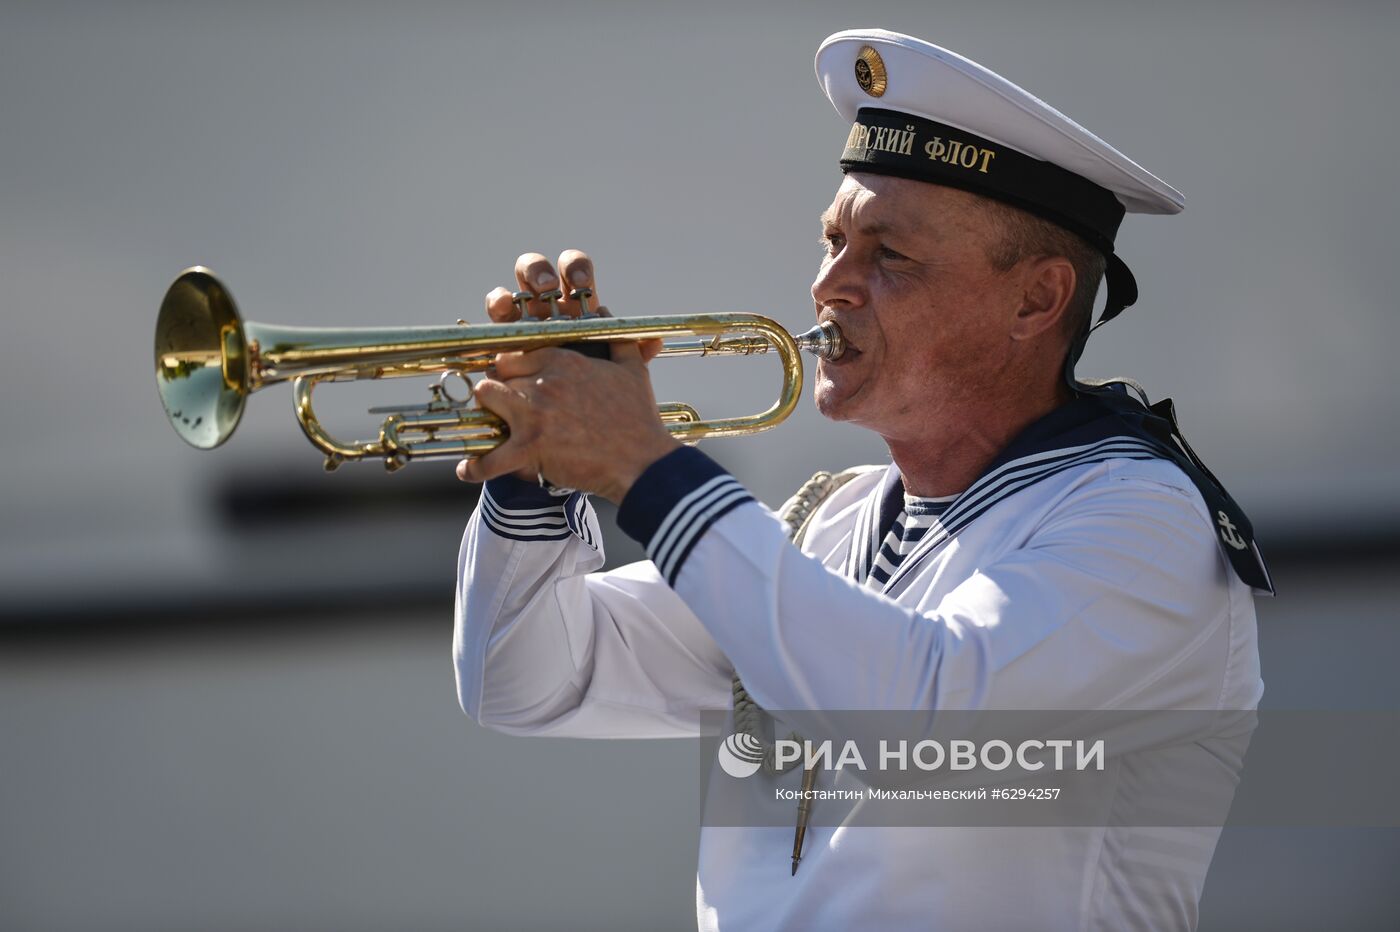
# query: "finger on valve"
{"type": "Point", "coordinates": [581, 289]}
{"type": "Point", "coordinates": [500, 307]}
{"type": "Point", "coordinates": [535, 275]}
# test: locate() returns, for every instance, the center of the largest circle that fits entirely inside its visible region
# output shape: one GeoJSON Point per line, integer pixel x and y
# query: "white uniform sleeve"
{"type": "Point", "coordinates": [1118, 601]}
{"type": "Point", "coordinates": [542, 645]}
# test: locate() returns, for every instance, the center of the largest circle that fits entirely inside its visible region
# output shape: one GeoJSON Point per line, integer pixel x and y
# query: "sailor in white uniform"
{"type": "Point", "coordinates": [1036, 543]}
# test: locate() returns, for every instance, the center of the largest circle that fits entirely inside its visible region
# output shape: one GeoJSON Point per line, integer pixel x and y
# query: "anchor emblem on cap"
{"type": "Point", "coordinates": [870, 72]}
{"type": "Point", "coordinates": [1227, 531]}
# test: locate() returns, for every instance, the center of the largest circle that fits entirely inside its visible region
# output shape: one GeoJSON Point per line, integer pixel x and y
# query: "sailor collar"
{"type": "Point", "coordinates": [1098, 425]}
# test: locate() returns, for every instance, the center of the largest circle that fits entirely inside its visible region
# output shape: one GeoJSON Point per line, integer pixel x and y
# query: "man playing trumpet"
{"type": "Point", "coordinates": [1035, 543]}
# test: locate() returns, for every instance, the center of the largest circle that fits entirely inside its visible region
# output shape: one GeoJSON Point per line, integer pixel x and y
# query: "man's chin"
{"type": "Point", "coordinates": [831, 403]}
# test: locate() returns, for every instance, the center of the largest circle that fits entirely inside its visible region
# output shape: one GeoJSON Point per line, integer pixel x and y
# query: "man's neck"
{"type": "Point", "coordinates": [948, 463]}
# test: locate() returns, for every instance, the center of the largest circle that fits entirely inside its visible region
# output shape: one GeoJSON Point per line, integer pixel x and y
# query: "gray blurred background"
{"type": "Point", "coordinates": [226, 696]}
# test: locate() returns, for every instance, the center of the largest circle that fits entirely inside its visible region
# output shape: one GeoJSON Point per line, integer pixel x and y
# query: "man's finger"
{"type": "Point", "coordinates": [515, 453]}
{"type": "Point", "coordinates": [626, 353]}
{"type": "Point", "coordinates": [514, 364]}
{"type": "Point", "coordinates": [500, 307]}
{"type": "Point", "coordinates": [635, 352]}
{"type": "Point", "coordinates": [534, 274]}
{"type": "Point", "coordinates": [576, 269]}
{"type": "Point", "coordinates": [650, 348]}
{"type": "Point", "coordinates": [501, 400]}
{"type": "Point", "coordinates": [507, 458]}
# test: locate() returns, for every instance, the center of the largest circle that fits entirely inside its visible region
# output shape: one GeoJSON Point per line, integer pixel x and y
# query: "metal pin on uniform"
{"type": "Point", "coordinates": [804, 815]}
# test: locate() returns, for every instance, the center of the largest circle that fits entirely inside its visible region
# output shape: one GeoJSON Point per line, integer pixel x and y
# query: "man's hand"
{"type": "Point", "coordinates": [584, 423]}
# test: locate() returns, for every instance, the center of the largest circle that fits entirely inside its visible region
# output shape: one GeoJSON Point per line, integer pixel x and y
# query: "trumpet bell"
{"type": "Point", "coordinates": [202, 369]}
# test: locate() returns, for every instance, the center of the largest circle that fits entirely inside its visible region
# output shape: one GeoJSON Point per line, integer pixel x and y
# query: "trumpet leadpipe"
{"type": "Point", "coordinates": [823, 340]}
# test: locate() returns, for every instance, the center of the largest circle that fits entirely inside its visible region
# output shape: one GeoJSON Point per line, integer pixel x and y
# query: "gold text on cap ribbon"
{"type": "Point", "coordinates": [901, 142]}
{"type": "Point", "coordinates": [881, 139]}
{"type": "Point", "coordinates": [956, 153]}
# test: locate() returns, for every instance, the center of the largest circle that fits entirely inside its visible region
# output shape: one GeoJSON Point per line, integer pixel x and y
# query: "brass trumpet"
{"type": "Point", "coordinates": [208, 360]}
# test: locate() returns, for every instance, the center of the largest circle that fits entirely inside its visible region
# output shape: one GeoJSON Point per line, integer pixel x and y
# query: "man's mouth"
{"type": "Point", "coordinates": [845, 359]}
{"type": "Point", "coordinates": [851, 349]}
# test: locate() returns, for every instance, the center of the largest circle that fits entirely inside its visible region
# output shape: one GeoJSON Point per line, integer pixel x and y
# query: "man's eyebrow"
{"type": "Point", "coordinates": [829, 219]}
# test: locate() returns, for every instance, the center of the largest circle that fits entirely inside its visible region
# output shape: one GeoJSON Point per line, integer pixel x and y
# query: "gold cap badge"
{"type": "Point", "coordinates": [870, 72]}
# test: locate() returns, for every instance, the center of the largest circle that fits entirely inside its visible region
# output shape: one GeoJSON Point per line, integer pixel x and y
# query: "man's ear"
{"type": "Point", "coordinates": [1049, 283]}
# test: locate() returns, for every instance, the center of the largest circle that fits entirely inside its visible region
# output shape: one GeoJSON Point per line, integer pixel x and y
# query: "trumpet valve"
{"type": "Point", "coordinates": [582, 296]}
{"type": "Point", "coordinates": [553, 298]}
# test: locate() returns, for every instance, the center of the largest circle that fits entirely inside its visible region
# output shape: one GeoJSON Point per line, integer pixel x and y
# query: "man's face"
{"type": "Point", "coordinates": [905, 273]}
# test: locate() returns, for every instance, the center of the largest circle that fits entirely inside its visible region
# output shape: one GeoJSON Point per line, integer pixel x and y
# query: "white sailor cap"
{"type": "Point", "coordinates": [920, 111]}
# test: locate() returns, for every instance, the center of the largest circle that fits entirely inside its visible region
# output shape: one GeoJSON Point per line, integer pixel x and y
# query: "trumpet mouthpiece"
{"type": "Point", "coordinates": [824, 341]}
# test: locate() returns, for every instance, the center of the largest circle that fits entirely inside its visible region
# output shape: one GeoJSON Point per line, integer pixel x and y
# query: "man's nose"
{"type": "Point", "coordinates": [838, 282]}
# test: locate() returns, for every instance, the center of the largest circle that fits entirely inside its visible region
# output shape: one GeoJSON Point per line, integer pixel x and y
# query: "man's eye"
{"type": "Point", "coordinates": [831, 243]}
{"type": "Point", "coordinates": [888, 253]}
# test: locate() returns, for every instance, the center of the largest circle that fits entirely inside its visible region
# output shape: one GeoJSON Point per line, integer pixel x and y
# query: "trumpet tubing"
{"type": "Point", "coordinates": [208, 360]}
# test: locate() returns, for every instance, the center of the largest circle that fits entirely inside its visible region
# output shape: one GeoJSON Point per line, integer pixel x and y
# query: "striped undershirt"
{"type": "Point", "coordinates": [918, 516]}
